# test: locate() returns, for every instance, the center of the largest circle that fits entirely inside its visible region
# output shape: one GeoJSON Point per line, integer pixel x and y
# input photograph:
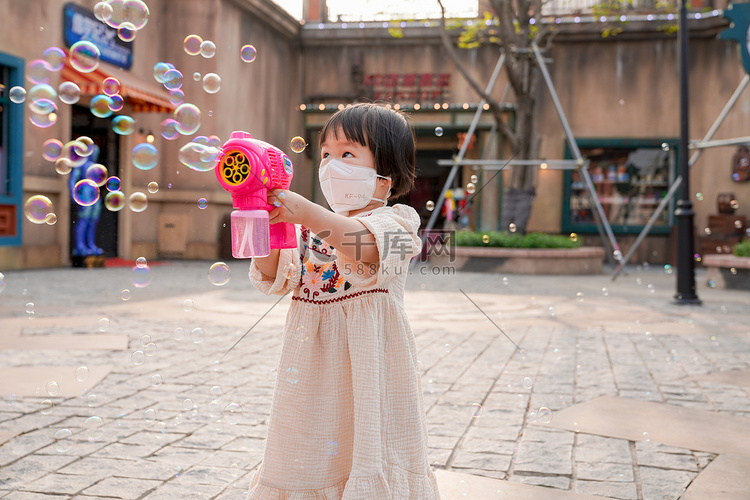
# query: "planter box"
{"type": "Point", "coordinates": [728, 271]}
{"type": "Point", "coordinates": [583, 260]}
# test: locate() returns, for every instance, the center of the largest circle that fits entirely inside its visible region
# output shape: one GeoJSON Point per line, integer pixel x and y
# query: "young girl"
{"type": "Point", "coordinates": [347, 419]}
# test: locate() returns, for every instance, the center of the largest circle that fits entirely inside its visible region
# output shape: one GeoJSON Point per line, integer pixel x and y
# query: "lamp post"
{"type": "Point", "coordinates": [684, 213]}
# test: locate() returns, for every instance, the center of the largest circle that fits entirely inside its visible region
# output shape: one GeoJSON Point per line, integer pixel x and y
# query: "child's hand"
{"type": "Point", "coordinates": [290, 206]}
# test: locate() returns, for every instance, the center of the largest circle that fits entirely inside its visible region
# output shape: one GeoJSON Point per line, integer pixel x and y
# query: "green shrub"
{"type": "Point", "coordinates": [742, 249]}
{"type": "Point", "coordinates": [514, 240]}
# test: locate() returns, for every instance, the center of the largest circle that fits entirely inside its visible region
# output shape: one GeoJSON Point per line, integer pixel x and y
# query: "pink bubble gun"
{"type": "Point", "coordinates": [248, 169]}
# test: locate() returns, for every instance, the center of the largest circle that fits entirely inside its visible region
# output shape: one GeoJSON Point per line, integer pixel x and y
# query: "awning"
{"type": "Point", "coordinates": [143, 97]}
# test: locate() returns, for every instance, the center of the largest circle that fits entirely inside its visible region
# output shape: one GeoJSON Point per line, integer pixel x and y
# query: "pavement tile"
{"type": "Point", "coordinates": [609, 489]}
{"type": "Point", "coordinates": [120, 487]}
{"type": "Point", "coordinates": [184, 491]}
{"type": "Point", "coordinates": [59, 483]}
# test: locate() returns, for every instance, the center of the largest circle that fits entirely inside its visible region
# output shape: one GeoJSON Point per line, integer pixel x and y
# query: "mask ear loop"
{"type": "Point", "coordinates": [388, 194]}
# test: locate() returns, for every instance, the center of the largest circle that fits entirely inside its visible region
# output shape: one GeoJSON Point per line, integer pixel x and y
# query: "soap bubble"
{"type": "Point", "coordinates": [169, 129]}
{"type": "Point", "coordinates": [471, 188]}
{"type": "Point", "coordinates": [123, 125]}
{"type": "Point", "coordinates": [292, 375]}
{"type": "Point", "coordinates": [63, 440]}
{"type": "Point", "coordinates": [211, 83]}
{"type": "Point", "coordinates": [100, 106]}
{"type": "Point", "coordinates": [84, 56]}
{"type": "Point", "coordinates": [196, 76]}
{"type": "Point", "coordinates": [97, 173]}
{"type": "Point", "coordinates": [138, 202]}
{"type": "Point", "coordinates": [149, 414]}
{"type": "Point", "coordinates": [126, 32]}
{"type": "Point", "coordinates": [544, 415]}
{"type": "Point", "coordinates": [136, 12]}
{"type": "Point", "coordinates": [463, 487]}
{"type": "Point", "coordinates": [103, 324]}
{"type": "Point", "coordinates": [187, 305]}
{"type": "Point", "coordinates": [113, 183]}
{"type": "Point", "coordinates": [86, 192]}
{"type": "Point", "coordinates": [219, 274]}
{"type": "Point", "coordinates": [145, 156]}
{"type": "Point", "coordinates": [439, 131]}
{"type": "Point", "coordinates": [47, 118]}
{"type": "Point", "coordinates": [93, 428]}
{"type": "Point", "coordinates": [198, 157]}
{"type": "Point", "coordinates": [176, 97]}
{"type": "Point", "coordinates": [17, 94]}
{"type": "Point", "coordinates": [430, 205]}
{"type": "Point", "coordinates": [474, 179]}
{"type": "Point", "coordinates": [512, 227]}
{"type": "Point", "coordinates": [248, 53]}
{"type": "Point", "coordinates": [517, 456]}
{"type": "Point", "coordinates": [38, 71]}
{"type": "Point", "coordinates": [178, 333]}
{"type": "Point", "coordinates": [111, 86]}
{"type": "Point", "coordinates": [69, 92]}
{"type": "Point", "coordinates": [51, 149]}
{"type": "Point", "coordinates": [208, 49]}
{"type": "Point", "coordinates": [232, 413]}
{"type": "Point", "coordinates": [192, 45]}
{"type": "Point", "coordinates": [116, 103]}
{"type": "Point", "coordinates": [573, 237]}
{"type": "Point", "coordinates": [298, 144]}
{"type": "Point", "coordinates": [196, 335]}
{"type": "Point", "coordinates": [187, 404]}
{"type": "Point", "coordinates": [45, 407]}
{"type": "Point", "coordinates": [160, 69]}
{"type": "Point", "coordinates": [153, 187]}
{"type": "Point", "coordinates": [126, 294]}
{"type": "Point", "coordinates": [668, 269]}
{"type": "Point", "coordinates": [114, 201]}
{"type": "Point", "coordinates": [476, 410]}
{"type": "Point", "coordinates": [202, 203]}
{"type": "Point", "coordinates": [665, 146]}
{"type": "Point", "coordinates": [527, 383]}
{"type": "Point", "coordinates": [172, 79]}
{"type": "Point", "coordinates": [82, 373]}
{"type": "Point", "coordinates": [141, 276]}
{"type": "Point", "coordinates": [37, 208]}
{"type": "Point", "coordinates": [103, 11]}
{"type": "Point", "coordinates": [332, 448]}
{"type": "Point", "coordinates": [63, 166]}
{"type": "Point", "coordinates": [41, 92]}
{"type": "Point", "coordinates": [485, 238]}
{"type": "Point", "coordinates": [156, 380]}
{"type": "Point", "coordinates": [52, 388]}
{"type": "Point", "coordinates": [699, 196]}
{"type": "Point", "coordinates": [138, 357]}
{"type": "Point", "coordinates": [188, 117]}
{"type": "Point", "coordinates": [55, 58]}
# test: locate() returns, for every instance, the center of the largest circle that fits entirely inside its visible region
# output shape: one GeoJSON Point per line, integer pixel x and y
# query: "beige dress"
{"type": "Point", "coordinates": [347, 419]}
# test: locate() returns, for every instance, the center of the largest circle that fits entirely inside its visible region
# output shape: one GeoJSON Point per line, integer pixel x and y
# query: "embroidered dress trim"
{"type": "Point", "coordinates": [339, 299]}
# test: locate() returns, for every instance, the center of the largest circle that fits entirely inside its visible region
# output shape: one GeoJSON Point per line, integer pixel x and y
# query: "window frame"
{"type": "Point", "coordinates": [14, 151]}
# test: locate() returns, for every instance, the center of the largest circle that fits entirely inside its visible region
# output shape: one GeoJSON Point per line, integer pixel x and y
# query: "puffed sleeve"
{"type": "Point", "coordinates": [396, 236]}
{"type": "Point", "coordinates": [288, 273]}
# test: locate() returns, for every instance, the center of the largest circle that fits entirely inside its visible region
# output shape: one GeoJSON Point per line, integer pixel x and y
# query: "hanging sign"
{"type": "Point", "coordinates": [81, 24]}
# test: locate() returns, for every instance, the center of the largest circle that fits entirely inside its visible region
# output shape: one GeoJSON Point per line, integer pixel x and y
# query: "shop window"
{"type": "Point", "coordinates": [631, 178]}
{"type": "Point", "coordinates": [11, 146]}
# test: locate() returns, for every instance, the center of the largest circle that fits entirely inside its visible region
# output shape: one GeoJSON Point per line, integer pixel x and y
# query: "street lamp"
{"type": "Point", "coordinates": [684, 213]}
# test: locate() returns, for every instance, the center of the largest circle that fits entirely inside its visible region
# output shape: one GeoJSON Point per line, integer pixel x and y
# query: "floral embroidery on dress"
{"type": "Point", "coordinates": [323, 277]}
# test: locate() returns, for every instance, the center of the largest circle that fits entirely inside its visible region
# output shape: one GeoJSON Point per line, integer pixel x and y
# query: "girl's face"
{"type": "Point", "coordinates": [338, 147]}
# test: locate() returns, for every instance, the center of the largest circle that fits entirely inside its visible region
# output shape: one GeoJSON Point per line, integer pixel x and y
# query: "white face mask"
{"type": "Point", "coordinates": [348, 187]}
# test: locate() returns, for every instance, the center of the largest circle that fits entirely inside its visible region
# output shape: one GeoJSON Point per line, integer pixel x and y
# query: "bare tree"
{"type": "Point", "coordinates": [515, 25]}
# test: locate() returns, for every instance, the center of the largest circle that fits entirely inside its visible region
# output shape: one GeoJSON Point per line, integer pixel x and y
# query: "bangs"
{"type": "Point", "coordinates": [351, 121]}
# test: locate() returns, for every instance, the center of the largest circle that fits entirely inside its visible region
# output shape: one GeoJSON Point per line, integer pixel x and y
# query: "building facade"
{"type": "Point", "coordinates": [619, 95]}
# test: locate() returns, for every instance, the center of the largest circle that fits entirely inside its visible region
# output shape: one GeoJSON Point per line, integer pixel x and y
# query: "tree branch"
{"type": "Point", "coordinates": [497, 111]}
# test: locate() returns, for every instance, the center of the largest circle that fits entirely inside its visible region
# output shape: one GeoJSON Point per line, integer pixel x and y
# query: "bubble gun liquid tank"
{"type": "Point", "coordinates": [248, 168]}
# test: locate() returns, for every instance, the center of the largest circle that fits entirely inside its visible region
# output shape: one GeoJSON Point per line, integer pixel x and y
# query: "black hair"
{"type": "Point", "coordinates": [386, 133]}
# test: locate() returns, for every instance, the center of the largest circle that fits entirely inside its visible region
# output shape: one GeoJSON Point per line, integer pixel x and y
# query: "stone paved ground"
{"type": "Point", "coordinates": [177, 421]}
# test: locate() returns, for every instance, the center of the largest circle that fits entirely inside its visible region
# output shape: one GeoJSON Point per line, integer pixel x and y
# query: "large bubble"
{"type": "Point", "coordinates": [211, 83]}
{"type": "Point", "coordinates": [38, 71]}
{"type": "Point", "coordinates": [97, 173]}
{"type": "Point", "coordinates": [192, 44]}
{"type": "Point", "coordinates": [114, 201]}
{"type": "Point", "coordinates": [100, 106]}
{"type": "Point", "coordinates": [198, 156]}
{"type": "Point", "coordinates": [135, 12]}
{"type": "Point", "coordinates": [69, 92]}
{"type": "Point", "coordinates": [123, 125]}
{"type": "Point", "coordinates": [17, 94]}
{"type": "Point", "coordinates": [159, 69]}
{"type": "Point", "coordinates": [37, 208]}
{"type": "Point", "coordinates": [51, 149]}
{"type": "Point", "coordinates": [84, 56]}
{"type": "Point", "coordinates": [208, 49]}
{"type": "Point", "coordinates": [103, 11]}
{"type": "Point", "coordinates": [43, 113]}
{"type": "Point", "coordinates": [85, 192]}
{"type": "Point", "coordinates": [145, 156]}
{"type": "Point", "coordinates": [111, 86]}
{"type": "Point", "coordinates": [172, 79]}
{"type": "Point", "coordinates": [248, 53]}
{"type": "Point", "coordinates": [169, 129]}
{"type": "Point", "coordinates": [138, 202]}
{"type": "Point", "coordinates": [188, 117]}
{"type": "Point", "coordinates": [41, 91]}
{"type": "Point", "coordinates": [55, 57]}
